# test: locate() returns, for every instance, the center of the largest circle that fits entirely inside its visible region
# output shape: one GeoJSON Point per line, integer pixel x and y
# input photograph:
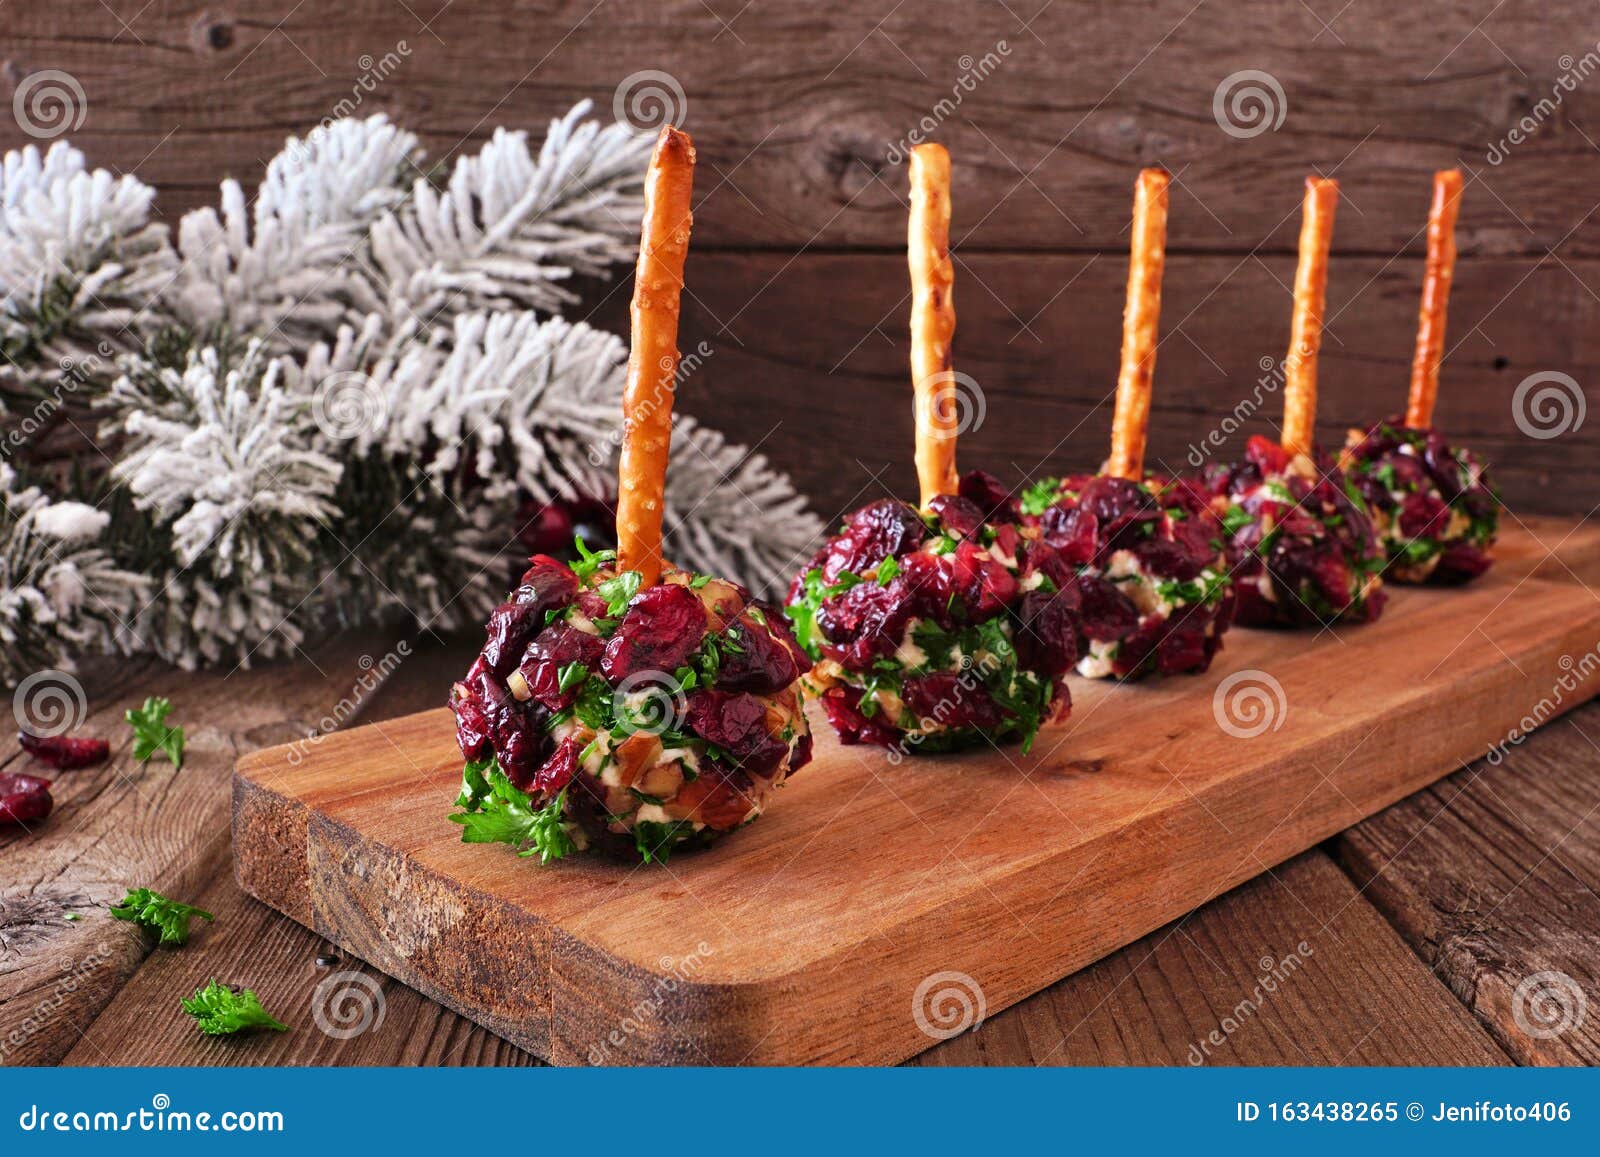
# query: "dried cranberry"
{"type": "Point", "coordinates": [472, 714]}
{"type": "Point", "coordinates": [867, 621]}
{"type": "Point", "coordinates": [1460, 562]}
{"type": "Point", "coordinates": [64, 752]}
{"type": "Point", "coordinates": [880, 530]}
{"type": "Point", "coordinates": [558, 770]}
{"type": "Point", "coordinates": [1038, 556]}
{"type": "Point", "coordinates": [983, 586]}
{"type": "Point", "coordinates": [1073, 531]}
{"type": "Point", "coordinates": [1266, 455]}
{"type": "Point", "coordinates": [23, 798]}
{"type": "Point", "coordinates": [951, 700]}
{"type": "Point", "coordinates": [843, 706]}
{"type": "Point", "coordinates": [801, 754]}
{"type": "Point", "coordinates": [663, 627]}
{"type": "Point", "coordinates": [1108, 615]}
{"type": "Point", "coordinates": [510, 627]}
{"type": "Point", "coordinates": [991, 497]}
{"type": "Point", "coordinates": [1423, 515]}
{"type": "Point", "coordinates": [737, 723]}
{"type": "Point", "coordinates": [760, 664]}
{"type": "Point", "coordinates": [778, 627]}
{"type": "Point", "coordinates": [1165, 558]}
{"type": "Point", "coordinates": [960, 516]}
{"type": "Point", "coordinates": [552, 651]}
{"type": "Point", "coordinates": [489, 718]}
{"type": "Point", "coordinates": [1046, 636]}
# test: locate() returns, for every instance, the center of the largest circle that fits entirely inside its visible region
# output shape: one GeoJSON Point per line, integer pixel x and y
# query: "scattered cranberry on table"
{"type": "Point", "coordinates": [23, 798]}
{"type": "Point", "coordinates": [64, 752]}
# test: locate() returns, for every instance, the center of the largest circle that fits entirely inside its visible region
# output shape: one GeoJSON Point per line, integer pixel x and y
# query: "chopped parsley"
{"type": "Point", "coordinates": [618, 591]}
{"type": "Point", "coordinates": [221, 1011]}
{"type": "Point", "coordinates": [590, 561]}
{"type": "Point", "coordinates": [1040, 496]}
{"type": "Point", "coordinates": [496, 811]}
{"type": "Point", "coordinates": [154, 911]}
{"type": "Point", "coordinates": [151, 733]}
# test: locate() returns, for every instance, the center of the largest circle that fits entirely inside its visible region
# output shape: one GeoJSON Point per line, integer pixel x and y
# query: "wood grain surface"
{"type": "Point", "coordinates": [799, 114]}
{"type": "Point", "coordinates": [747, 953]}
{"type": "Point", "coordinates": [124, 825]}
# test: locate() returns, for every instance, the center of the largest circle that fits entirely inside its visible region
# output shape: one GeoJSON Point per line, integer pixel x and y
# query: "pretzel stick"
{"type": "Point", "coordinates": [653, 361]}
{"type": "Point", "coordinates": [933, 321]}
{"type": "Point", "coordinates": [1147, 258]}
{"type": "Point", "coordinates": [1310, 302]}
{"type": "Point", "coordinates": [1441, 270]}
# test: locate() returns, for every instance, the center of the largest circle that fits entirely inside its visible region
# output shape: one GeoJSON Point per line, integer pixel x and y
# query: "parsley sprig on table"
{"type": "Point", "coordinates": [151, 733]}
{"type": "Point", "coordinates": [221, 1011]}
{"type": "Point", "coordinates": [496, 811]}
{"type": "Point", "coordinates": [154, 911]}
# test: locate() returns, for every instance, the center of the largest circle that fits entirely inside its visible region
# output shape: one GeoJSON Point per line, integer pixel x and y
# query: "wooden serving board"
{"type": "Point", "coordinates": [806, 937]}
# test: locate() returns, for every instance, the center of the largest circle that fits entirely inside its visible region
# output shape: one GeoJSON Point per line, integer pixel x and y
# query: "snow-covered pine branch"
{"type": "Point", "coordinates": [80, 265]}
{"type": "Point", "coordinates": [61, 595]}
{"type": "Point", "coordinates": [292, 268]}
{"type": "Point", "coordinates": [509, 227]}
{"type": "Point", "coordinates": [730, 513]}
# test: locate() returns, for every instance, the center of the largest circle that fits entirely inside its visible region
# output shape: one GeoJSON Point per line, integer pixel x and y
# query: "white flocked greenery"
{"type": "Point", "coordinates": [332, 402]}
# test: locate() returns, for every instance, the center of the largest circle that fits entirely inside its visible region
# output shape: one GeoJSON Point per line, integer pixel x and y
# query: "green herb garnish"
{"type": "Point", "coordinates": [154, 911]}
{"type": "Point", "coordinates": [222, 1011]}
{"type": "Point", "coordinates": [618, 591]}
{"type": "Point", "coordinates": [496, 811]}
{"type": "Point", "coordinates": [1042, 495]}
{"type": "Point", "coordinates": [590, 561]}
{"type": "Point", "coordinates": [151, 733]}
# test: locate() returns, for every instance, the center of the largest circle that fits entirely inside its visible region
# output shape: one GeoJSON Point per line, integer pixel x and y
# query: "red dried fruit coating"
{"type": "Point", "coordinates": [559, 769]}
{"type": "Point", "coordinates": [951, 700]}
{"type": "Point", "coordinates": [737, 723]}
{"type": "Point", "coordinates": [662, 628]}
{"type": "Point", "coordinates": [761, 664]}
{"type": "Point", "coordinates": [1046, 634]}
{"type": "Point", "coordinates": [1108, 615]}
{"type": "Point", "coordinates": [552, 651]}
{"type": "Point", "coordinates": [24, 798]}
{"type": "Point", "coordinates": [880, 530]}
{"type": "Point", "coordinates": [844, 712]}
{"type": "Point", "coordinates": [64, 752]}
{"type": "Point", "coordinates": [959, 516]}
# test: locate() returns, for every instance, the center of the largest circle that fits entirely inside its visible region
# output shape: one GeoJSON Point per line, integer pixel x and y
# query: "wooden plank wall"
{"type": "Point", "coordinates": [797, 278]}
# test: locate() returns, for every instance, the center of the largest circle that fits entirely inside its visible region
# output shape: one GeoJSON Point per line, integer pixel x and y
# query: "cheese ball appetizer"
{"type": "Point", "coordinates": [1146, 556]}
{"type": "Point", "coordinates": [636, 720]}
{"type": "Point", "coordinates": [1299, 540]}
{"type": "Point", "coordinates": [936, 632]}
{"type": "Point", "coordinates": [619, 703]}
{"type": "Point", "coordinates": [1433, 505]}
{"type": "Point", "coordinates": [1155, 594]}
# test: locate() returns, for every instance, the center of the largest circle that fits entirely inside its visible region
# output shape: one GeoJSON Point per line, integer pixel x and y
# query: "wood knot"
{"type": "Point", "coordinates": [212, 33]}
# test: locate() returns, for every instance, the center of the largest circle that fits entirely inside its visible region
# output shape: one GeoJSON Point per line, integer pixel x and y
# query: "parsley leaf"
{"type": "Point", "coordinates": [571, 675]}
{"type": "Point", "coordinates": [618, 592]}
{"type": "Point", "coordinates": [1039, 497]}
{"type": "Point", "coordinates": [887, 570]}
{"type": "Point", "coordinates": [151, 733]}
{"type": "Point", "coordinates": [590, 561]}
{"type": "Point", "coordinates": [222, 1011]}
{"type": "Point", "coordinates": [496, 811]}
{"type": "Point", "coordinates": [1235, 519]}
{"type": "Point", "coordinates": [655, 842]}
{"type": "Point", "coordinates": [154, 911]}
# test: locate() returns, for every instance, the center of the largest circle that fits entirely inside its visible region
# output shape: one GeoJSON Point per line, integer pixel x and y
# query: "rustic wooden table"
{"type": "Point", "coordinates": [1413, 930]}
